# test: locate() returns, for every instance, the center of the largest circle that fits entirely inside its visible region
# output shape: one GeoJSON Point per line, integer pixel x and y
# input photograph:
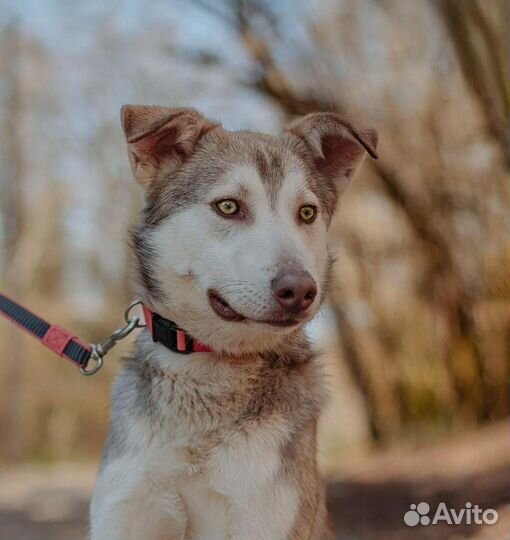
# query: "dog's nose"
{"type": "Point", "coordinates": [294, 290]}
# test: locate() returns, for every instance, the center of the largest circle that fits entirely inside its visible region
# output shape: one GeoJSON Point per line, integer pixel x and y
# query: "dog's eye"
{"type": "Point", "coordinates": [307, 213]}
{"type": "Point", "coordinates": [227, 207]}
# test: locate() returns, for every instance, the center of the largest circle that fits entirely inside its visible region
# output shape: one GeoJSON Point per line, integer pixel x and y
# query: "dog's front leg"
{"type": "Point", "coordinates": [127, 508]}
{"type": "Point", "coordinates": [127, 522]}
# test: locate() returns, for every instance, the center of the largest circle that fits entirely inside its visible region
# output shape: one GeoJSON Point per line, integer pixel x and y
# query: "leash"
{"type": "Point", "coordinates": [68, 346]}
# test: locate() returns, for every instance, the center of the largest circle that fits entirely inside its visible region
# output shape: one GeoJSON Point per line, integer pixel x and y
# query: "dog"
{"type": "Point", "coordinates": [232, 248]}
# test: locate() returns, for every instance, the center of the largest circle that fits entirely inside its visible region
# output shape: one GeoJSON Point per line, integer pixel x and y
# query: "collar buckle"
{"type": "Point", "coordinates": [169, 334]}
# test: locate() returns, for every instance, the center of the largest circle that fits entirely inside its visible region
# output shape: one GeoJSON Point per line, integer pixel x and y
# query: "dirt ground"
{"type": "Point", "coordinates": [368, 496]}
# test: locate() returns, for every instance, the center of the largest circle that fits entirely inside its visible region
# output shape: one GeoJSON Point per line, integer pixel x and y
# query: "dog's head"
{"type": "Point", "coordinates": [232, 244]}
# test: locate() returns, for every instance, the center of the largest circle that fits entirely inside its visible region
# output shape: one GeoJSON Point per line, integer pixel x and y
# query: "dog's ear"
{"type": "Point", "coordinates": [160, 136]}
{"type": "Point", "coordinates": [336, 146]}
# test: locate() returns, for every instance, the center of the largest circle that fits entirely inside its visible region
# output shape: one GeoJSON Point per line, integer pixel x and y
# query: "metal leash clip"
{"type": "Point", "coordinates": [99, 350]}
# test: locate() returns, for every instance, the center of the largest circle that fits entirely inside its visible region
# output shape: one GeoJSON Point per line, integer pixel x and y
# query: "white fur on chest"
{"type": "Point", "coordinates": [236, 492]}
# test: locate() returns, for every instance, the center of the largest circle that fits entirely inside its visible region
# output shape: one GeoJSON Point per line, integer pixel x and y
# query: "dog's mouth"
{"type": "Point", "coordinates": [224, 311]}
{"type": "Point", "coordinates": [222, 308]}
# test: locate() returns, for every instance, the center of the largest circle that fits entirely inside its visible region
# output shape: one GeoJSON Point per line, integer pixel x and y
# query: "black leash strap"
{"type": "Point", "coordinates": [52, 336]}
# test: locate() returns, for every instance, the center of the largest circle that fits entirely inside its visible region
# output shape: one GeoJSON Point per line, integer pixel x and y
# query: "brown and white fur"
{"type": "Point", "coordinates": [216, 446]}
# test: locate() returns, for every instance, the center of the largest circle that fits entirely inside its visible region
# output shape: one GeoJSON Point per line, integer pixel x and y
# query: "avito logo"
{"type": "Point", "coordinates": [419, 514]}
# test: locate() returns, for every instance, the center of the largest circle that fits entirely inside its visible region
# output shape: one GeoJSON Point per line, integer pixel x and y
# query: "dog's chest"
{"type": "Point", "coordinates": [197, 452]}
{"type": "Point", "coordinates": [222, 492]}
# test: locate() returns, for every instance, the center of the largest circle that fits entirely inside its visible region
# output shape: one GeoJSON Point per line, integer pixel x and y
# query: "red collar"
{"type": "Point", "coordinates": [170, 335]}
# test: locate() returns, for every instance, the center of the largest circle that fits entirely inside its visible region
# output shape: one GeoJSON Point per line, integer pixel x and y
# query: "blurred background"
{"type": "Point", "coordinates": [416, 334]}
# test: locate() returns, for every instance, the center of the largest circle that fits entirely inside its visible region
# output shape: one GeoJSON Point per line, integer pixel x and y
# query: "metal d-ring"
{"type": "Point", "coordinates": [128, 310]}
{"type": "Point", "coordinates": [98, 363]}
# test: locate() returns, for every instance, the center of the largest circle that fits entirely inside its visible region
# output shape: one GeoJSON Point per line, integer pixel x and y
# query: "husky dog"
{"type": "Point", "coordinates": [231, 246]}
